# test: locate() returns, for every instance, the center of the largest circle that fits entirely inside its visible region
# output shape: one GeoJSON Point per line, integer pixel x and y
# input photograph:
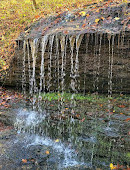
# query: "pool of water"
{"type": "Point", "coordinates": [66, 135]}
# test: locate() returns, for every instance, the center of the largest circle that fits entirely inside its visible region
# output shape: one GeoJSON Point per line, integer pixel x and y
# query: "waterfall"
{"type": "Point", "coordinates": [62, 43]}
{"type": "Point", "coordinates": [57, 59]}
{"type": "Point", "coordinates": [42, 74]}
{"type": "Point", "coordinates": [78, 43]}
{"type": "Point", "coordinates": [95, 64]}
{"type": "Point", "coordinates": [62, 70]}
{"type": "Point", "coordinates": [99, 62]}
{"type": "Point", "coordinates": [24, 68]}
{"type": "Point", "coordinates": [51, 41]}
{"type": "Point", "coordinates": [85, 60]}
{"type": "Point", "coordinates": [110, 71]}
{"type": "Point", "coordinates": [72, 41]}
{"type": "Point", "coordinates": [34, 50]}
{"type": "Point", "coordinates": [29, 65]}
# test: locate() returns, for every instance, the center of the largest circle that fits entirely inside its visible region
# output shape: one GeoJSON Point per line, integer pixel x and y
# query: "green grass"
{"type": "Point", "coordinates": [89, 97]}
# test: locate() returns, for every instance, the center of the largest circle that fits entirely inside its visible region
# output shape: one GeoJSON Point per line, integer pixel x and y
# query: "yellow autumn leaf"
{"type": "Point", "coordinates": [116, 18]}
{"type": "Point", "coordinates": [112, 166]}
{"type": "Point", "coordinates": [125, 1]}
{"type": "Point", "coordinates": [57, 140]}
{"type": "Point", "coordinates": [82, 13]}
{"type": "Point", "coordinates": [97, 20]}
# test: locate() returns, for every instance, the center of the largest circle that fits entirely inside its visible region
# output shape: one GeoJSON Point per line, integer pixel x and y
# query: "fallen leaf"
{"type": "Point", "coordinates": [24, 160]}
{"type": "Point", "coordinates": [37, 16]}
{"type": "Point", "coordinates": [65, 32]}
{"type": "Point", "coordinates": [77, 115]}
{"type": "Point", "coordinates": [82, 119]}
{"type": "Point", "coordinates": [82, 13]}
{"type": "Point", "coordinates": [97, 20]}
{"type": "Point", "coordinates": [102, 18]}
{"type": "Point", "coordinates": [47, 152]}
{"type": "Point", "coordinates": [128, 119]}
{"type": "Point", "coordinates": [83, 25]}
{"type": "Point", "coordinates": [112, 166]}
{"type": "Point", "coordinates": [116, 18]}
{"type": "Point", "coordinates": [121, 106]}
{"type": "Point", "coordinates": [57, 140]}
{"type": "Point", "coordinates": [97, 10]}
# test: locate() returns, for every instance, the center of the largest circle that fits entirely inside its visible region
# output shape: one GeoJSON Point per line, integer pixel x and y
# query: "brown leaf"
{"type": "Point", "coordinates": [128, 119]}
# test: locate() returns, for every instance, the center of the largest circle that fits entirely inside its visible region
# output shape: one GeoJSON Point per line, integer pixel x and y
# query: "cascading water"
{"type": "Point", "coordinates": [110, 73]}
{"type": "Point", "coordinates": [51, 41]}
{"type": "Point", "coordinates": [62, 43]}
{"type": "Point", "coordinates": [57, 124]}
{"type": "Point", "coordinates": [42, 74]}
{"type": "Point", "coordinates": [34, 48]}
{"type": "Point", "coordinates": [29, 65]}
{"type": "Point", "coordinates": [76, 71]}
{"type": "Point", "coordinates": [99, 62]}
{"type": "Point", "coordinates": [24, 68]}
{"type": "Point", "coordinates": [85, 71]}
{"type": "Point", "coordinates": [65, 123]}
{"type": "Point", "coordinates": [72, 41]}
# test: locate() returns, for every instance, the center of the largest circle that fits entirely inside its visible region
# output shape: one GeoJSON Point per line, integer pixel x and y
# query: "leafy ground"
{"type": "Point", "coordinates": [15, 15]}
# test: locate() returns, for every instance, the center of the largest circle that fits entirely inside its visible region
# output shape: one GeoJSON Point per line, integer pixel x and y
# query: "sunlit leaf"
{"type": "Point", "coordinates": [116, 18]}
{"type": "Point", "coordinates": [112, 166]}
{"type": "Point", "coordinates": [87, 15]}
{"type": "Point", "coordinates": [82, 13]}
{"type": "Point", "coordinates": [57, 140]}
{"type": "Point", "coordinates": [47, 152]}
{"type": "Point", "coordinates": [97, 20]}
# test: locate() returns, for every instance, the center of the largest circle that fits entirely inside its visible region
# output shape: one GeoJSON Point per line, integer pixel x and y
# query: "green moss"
{"type": "Point", "coordinates": [70, 96]}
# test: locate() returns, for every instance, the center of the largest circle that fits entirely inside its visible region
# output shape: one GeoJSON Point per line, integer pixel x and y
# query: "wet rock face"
{"type": "Point", "coordinates": [78, 63]}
